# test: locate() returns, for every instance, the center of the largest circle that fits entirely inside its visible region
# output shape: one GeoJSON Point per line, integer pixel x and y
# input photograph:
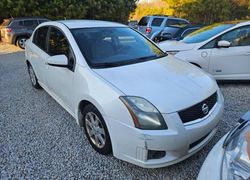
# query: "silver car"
{"type": "Point", "coordinates": [153, 25]}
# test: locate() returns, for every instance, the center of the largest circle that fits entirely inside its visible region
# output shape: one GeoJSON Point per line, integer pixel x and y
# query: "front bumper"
{"type": "Point", "coordinates": [179, 141]}
{"type": "Point", "coordinates": [211, 168]}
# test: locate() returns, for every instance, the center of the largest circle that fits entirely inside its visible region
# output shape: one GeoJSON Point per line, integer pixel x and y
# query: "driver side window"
{"type": "Point", "coordinates": [58, 45]}
{"type": "Point", "coordinates": [238, 37]}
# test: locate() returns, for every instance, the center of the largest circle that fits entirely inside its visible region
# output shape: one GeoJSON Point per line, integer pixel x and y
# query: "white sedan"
{"type": "Point", "coordinates": [221, 49]}
{"type": "Point", "coordinates": [132, 99]}
{"type": "Point", "coordinates": [230, 157]}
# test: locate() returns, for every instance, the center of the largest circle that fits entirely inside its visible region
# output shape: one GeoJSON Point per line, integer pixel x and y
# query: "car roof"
{"type": "Point", "coordinates": [74, 24]}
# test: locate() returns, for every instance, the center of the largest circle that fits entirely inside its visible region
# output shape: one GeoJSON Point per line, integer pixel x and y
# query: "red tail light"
{"type": "Point", "coordinates": [148, 30]}
{"type": "Point", "coordinates": [9, 30]}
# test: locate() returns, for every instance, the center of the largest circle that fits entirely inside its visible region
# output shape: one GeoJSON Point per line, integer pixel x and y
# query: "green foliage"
{"type": "Point", "coordinates": [197, 11]}
{"type": "Point", "coordinates": [116, 10]}
{"type": "Point", "coordinates": [210, 11]}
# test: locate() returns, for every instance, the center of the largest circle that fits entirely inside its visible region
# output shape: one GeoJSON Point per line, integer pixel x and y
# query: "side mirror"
{"type": "Point", "coordinates": [224, 44]}
{"type": "Point", "coordinates": [58, 61]}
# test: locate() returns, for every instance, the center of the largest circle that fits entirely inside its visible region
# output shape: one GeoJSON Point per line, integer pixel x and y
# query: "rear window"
{"type": "Point", "coordinates": [143, 21]}
{"type": "Point", "coordinates": [157, 22]}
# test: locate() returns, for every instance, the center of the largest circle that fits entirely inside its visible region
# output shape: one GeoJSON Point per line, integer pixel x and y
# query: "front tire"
{"type": "Point", "coordinates": [96, 130]}
{"type": "Point", "coordinates": [33, 77]}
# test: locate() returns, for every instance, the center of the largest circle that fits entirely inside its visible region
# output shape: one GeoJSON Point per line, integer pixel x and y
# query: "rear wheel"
{"type": "Point", "coordinates": [21, 42]}
{"type": "Point", "coordinates": [96, 130]}
{"type": "Point", "coordinates": [33, 77]}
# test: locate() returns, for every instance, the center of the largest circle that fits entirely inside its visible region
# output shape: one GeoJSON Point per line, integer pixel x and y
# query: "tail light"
{"type": "Point", "coordinates": [148, 30]}
{"type": "Point", "coordinates": [8, 30]}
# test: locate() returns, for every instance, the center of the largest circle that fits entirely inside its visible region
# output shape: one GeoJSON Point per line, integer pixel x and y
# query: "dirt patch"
{"type": "Point", "coordinates": [6, 48]}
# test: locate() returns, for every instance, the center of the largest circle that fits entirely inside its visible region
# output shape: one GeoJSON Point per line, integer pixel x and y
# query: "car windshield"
{"type": "Point", "coordinates": [109, 47]}
{"type": "Point", "coordinates": [206, 33]}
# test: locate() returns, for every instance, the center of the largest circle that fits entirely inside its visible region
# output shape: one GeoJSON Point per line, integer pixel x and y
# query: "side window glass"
{"type": "Point", "coordinates": [157, 22]}
{"type": "Point", "coordinates": [172, 22]}
{"type": "Point", "coordinates": [39, 38]}
{"type": "Point", "coordinates": [210, 44]}
{"type": "Point", "coordinates": [238, 37]}
{"type": "Point", "coordinates": [183, 23]}
{"type": "Point", "coordinates": [30, 23]}
{"type": "Point", "coordinates": [58, 45]}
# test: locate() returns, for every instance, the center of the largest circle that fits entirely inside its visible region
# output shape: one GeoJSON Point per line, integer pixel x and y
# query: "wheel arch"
{"type": "Point", "coordinates": [82, 104]}
{"type": "Point", "coordinates": [20, 35]}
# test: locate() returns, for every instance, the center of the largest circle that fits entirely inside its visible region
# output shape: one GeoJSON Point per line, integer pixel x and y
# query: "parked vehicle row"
{"type": "Point", "coordinates": [99, 72]}
{"type": "Point", "coordinates": [176, 33]}
{"type": "Point", "coordinates": [221, 49]}
{"type": "Point", "coordinates": [151, 26]}
{"type": "Point", "coordinates": [17, 30]}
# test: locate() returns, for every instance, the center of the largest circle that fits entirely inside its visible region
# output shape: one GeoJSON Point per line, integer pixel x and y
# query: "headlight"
{"type": "Point", "coordinates": [144, 114]}
{"type": "Point", "coordinates": [236, 163]}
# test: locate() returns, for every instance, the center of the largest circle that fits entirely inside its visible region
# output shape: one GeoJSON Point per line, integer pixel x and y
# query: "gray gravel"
{"type": "Point", "coordinates": [39, 139]}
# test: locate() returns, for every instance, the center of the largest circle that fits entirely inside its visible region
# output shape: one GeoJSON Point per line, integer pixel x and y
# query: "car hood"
{"type": "Point", "coordinates": [175, 46]}
{"type": "Point", "coordinates": [168, 83]}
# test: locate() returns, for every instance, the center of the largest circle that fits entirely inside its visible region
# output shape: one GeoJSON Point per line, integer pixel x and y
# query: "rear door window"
{"type": "Point", "coordinates": [183, 23]}
{"type": "Point", "coordinates": [172, 22]}
{"type": "Point", "coordinates": [29, 23]}
{"type": "Point", "coordinates": [143, 21]}
{"type": "Point", "coordinates": [40, 37]}
{"type": "Point", "coordinates": [157, 22]}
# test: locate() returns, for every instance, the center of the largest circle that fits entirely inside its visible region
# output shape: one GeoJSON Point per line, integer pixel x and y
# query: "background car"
{"type": "Point", "coordinates": [222, 49]}
{"type": "Point", "coordinates": [230, 157]}
{"type": "Point", "coordinates": [18, 30]}
{"type": "Point", "coordinates": [175, 32]}
{"type": "Point", "coordinates": [132, 99]}
{"type": "Point", "coordinates": [133, 24]}
{"type": "Point", "coordinates": [152, 25]}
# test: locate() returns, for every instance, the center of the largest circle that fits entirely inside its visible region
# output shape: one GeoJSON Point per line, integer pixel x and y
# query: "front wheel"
{"type": "Point", "coordinates": [96, 130]}
{"type": "Point", "coordinates": [33, 77]}
{"type": "Point", "coordinates": [21, 42]}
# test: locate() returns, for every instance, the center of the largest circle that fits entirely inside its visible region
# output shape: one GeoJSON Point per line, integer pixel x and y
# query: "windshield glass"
{"type": "Point", "coordinates": [206, 33]}
{"type": "Point", "coordinates": [116, 46]}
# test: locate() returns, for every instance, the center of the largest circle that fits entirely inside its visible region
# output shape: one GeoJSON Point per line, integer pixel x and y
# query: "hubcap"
{"type": "Point", "coordinates": [32, 75]}
{"type": "Point", "coordinates": [21, 42]}
{"type": "Point", "coordinates": [95, 129]}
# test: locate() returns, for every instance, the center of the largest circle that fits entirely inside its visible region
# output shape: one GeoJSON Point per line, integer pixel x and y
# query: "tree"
{"type": "Point", "coordinates": [116, 10]}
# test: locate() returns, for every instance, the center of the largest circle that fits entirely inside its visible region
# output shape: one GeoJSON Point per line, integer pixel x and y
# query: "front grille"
{"type": "Point", "coordinates": [197, 111]}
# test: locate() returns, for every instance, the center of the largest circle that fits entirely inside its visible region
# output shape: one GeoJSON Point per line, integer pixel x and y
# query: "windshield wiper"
{"type": "Point", "coordinates": [127, 62]}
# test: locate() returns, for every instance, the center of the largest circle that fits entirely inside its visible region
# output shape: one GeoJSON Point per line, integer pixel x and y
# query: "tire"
{"type": "Point", "coordinates": [21, 42]}
{"type": "Point", "coordinates": [96, 130]}
{"type": "Point", "coordinates": [33, 77]}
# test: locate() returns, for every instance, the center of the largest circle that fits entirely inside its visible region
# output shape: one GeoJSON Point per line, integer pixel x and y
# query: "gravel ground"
{"type": "Point", "coordinates": [39, 139]}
